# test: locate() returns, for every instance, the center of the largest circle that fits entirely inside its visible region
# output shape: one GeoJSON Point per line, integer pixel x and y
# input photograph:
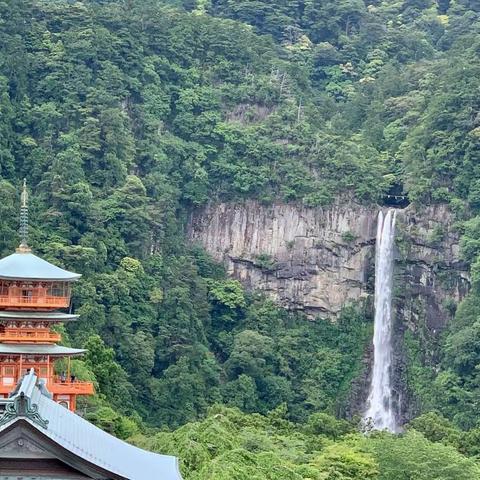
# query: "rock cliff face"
{"type": "Point", "coordinates": [430, 275]}
{"type": "Point", "coordinates": [318, 259]}
{"type": "Point", "coordinates": [430, 279]}
{"type": "Point", "coordinates": [309, 259]}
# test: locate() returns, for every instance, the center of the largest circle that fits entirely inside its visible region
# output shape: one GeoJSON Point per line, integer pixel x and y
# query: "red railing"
{"type": "Point", "coordinates": [57, 386]}
{"type": "Point", "coordinates": [34, 301]}
{"type": "Point", "coordinates": [30, 336]}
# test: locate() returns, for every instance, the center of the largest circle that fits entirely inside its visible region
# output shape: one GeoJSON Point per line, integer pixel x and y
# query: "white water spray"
{"type": "Point", "coordinates": [380, 413]}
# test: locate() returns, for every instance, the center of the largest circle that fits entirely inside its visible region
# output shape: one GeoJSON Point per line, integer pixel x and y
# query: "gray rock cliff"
{"type": "Point", "coordinates": [318, 259]}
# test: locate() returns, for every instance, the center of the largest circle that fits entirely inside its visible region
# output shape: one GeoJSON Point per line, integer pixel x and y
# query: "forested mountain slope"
{"type": "Point", "coordinates": [124, 115]}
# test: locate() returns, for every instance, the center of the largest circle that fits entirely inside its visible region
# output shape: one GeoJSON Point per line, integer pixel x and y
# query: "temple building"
{"type": "Point", "coordinates": [41, 436]}
{"type": "Point", "coordinates": [33, 296]}
{"type": "Point", "coordinates": [40, 439]}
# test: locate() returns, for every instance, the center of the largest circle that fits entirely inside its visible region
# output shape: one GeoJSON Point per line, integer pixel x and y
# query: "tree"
{"type": "Point", "coordinates": [110, 377]}
{"type": "Point", "coordinates": [9, 212]}
{"type": "Point", "coordinates": [345, 463]}
{"type": "Point", "coordinates": [412, 456]}
{"type": "Point", "coordinates": [127, 208]}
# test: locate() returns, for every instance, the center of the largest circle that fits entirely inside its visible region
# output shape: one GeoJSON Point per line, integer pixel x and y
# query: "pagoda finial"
{"type": "Point", "coordinates": [23, 248]}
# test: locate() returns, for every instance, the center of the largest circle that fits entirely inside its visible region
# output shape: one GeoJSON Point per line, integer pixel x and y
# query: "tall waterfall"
{"type": "Point", "coordinates": [379, 404]}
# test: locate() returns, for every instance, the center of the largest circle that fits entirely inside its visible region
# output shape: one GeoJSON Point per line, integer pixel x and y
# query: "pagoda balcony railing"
{"type": "Point", "coordinates": [59, 386]}
{"type": "Point", "coordinates": [34, 301]}
{"type": "Point", "coordinates": [55, 386]}
{"type": "Point", "coordinates": [29, 336]}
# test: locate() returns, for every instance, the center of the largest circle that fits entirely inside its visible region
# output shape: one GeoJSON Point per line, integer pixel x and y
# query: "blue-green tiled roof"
{"type": "Point", "coordinates": [38, 349]}
{"type": "Point", "coordinates": [29, 266]}
{"type": "Point", "coordinates": [34, 315]}
{"type": "Point", "coordinates": [87, 441]}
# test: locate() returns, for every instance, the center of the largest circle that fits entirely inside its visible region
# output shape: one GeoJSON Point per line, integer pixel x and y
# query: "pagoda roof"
{"type": "Point", "coordinates": [83, 441]}
{"type": "Point", "coordinates": [39, 349]}
{"type": "Point", "coordinates": [26, 265]}
{"type": "Point", "coordinates": [37, 316]}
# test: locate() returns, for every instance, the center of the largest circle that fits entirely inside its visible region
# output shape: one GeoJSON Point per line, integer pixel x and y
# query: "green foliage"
{"type": "Point", "coordinates": [345, 463]}
{"type": "Point", "coordinates": [230, 444]}
{"type": "Point", "coordinates": [265, 368]}
{"type": "Point", "coordinates": [413, 456]}
{"type": "Point", "coordinates": [451, 387]}
{"type": "Point", "coordinates": [436, 428]}
{"type": "Point", "coordinates": [107, 419]}
{"type": "Point", "coordinates": [110, 377]}
{"type": "Point", "coordinates": [228, 293]}
{"type": "Point", "coordinates": [265, 261]}
{"type": "Point", "coordinates": [348, 237]}
{"type": "Point", "coordinates": [125, 116]}
{"type": "Point", "coordinates": [471, 239]}
{"type": "Point", "coordinates": [324, 424]}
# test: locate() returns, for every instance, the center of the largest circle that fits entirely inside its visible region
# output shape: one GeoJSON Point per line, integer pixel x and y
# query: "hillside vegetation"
{"type": "Point", "coordinates": [125, 115]}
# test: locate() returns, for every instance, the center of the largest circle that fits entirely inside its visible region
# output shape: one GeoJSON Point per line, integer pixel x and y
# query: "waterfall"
{"type": "Point", "coordinates": [380, 413]}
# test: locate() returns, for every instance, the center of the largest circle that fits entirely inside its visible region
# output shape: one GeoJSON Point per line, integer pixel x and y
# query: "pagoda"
{"type": "Point", "coordinates": [39, 438]}
{"type": "Point", "coordinates": [34, 296]}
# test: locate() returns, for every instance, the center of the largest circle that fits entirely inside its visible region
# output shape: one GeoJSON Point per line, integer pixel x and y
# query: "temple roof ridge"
{"type": "Point", "coordinates": [81, 438]}
{"type": "Point", "coordinates": [19, 403]}
{"type": "Point", "coordinates": [27, 384]}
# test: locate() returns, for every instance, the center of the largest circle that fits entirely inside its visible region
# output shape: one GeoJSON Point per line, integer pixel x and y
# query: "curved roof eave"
{"type": "Point", "coordinates": [39, 349]}
{"type": "Point", "coordinates": [30, 267]}
{"type": "Point", "coordinates": [34, 315]}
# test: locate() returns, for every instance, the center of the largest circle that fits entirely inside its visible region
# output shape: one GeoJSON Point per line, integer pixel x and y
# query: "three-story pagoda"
{"type": "Point", "coordinates": [34, 295]}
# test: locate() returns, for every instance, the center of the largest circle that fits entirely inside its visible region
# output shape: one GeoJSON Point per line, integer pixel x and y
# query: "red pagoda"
{"type": "Point", "coordinates": [34, 295]}
{"type": "Point", "coordinates": [38, 437]}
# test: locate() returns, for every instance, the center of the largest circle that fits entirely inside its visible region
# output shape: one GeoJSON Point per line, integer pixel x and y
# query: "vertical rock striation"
{"type": "Point", "coordinates": [315, 260]}
{"type": "Point", "coordinates": [430, 273]}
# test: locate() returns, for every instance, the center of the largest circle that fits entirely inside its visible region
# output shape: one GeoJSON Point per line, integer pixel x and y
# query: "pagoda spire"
{"type": "Point", "coordinates": [23, 248]}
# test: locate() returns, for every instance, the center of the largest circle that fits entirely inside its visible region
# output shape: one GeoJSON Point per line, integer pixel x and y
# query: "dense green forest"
{"type": "Point", "coordinates": [125, 115]}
